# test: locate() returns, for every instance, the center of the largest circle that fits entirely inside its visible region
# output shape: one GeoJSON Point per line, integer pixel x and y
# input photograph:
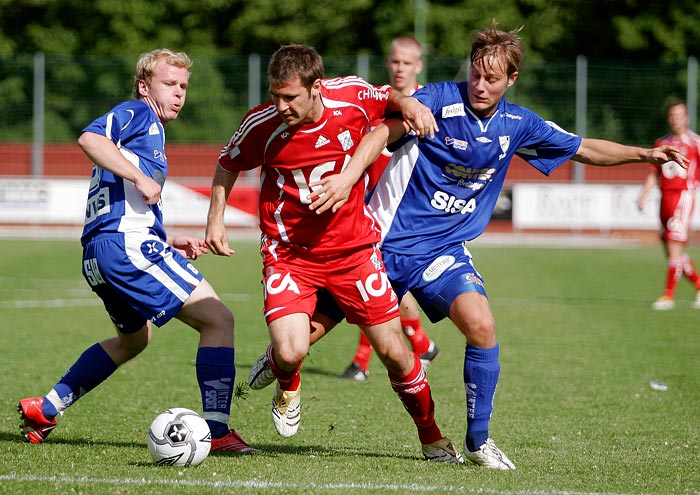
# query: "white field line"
{"type": "Point", "coordinates": [270, 485]}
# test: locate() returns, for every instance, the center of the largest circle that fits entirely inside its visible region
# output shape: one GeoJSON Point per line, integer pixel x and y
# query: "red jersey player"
{"type": "Point", "coordinates": [677, 186]}
{"type": "Point", "coordinates": [307, 131]}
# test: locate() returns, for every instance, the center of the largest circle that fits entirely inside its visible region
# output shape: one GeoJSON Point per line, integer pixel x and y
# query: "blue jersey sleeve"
{"type": "Point", "coordinates": [547, 145]}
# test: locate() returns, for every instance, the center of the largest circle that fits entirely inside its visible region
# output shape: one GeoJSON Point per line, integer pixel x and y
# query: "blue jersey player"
{"type": "Point", "coordinates": [438, 193]}
{"type": "Point", "coordinates": [142, 275]}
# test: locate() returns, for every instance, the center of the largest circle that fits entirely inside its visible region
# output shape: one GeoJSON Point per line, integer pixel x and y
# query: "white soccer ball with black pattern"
{"type": "Point", "coordinates": [179, 437]}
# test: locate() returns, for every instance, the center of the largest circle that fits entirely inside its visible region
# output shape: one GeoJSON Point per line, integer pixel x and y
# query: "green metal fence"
{"type": "Point", "coordinates": [623, 101]}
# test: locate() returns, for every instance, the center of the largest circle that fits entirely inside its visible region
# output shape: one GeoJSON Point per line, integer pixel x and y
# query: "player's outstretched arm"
{"type": "Point", "coordinates": [333, 191]}
{"type": "Point", "coordinates": [215, 234]}
{"type": "Point", "coordinates": [607, 153]}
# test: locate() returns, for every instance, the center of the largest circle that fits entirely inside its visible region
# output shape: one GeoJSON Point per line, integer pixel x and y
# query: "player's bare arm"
{"type": "Point", "coordinates": [333, 191]}
{"type": "Point", "coordinates": [418, 117]}
{"type": "Point", "coordinates": [607, 153]}
{"type": "Point", "coordinates": [105, 154]}
{"type": "Point", "coordinates": [649, 183]}
{"type": "Point", "coordinates": [215, 234]}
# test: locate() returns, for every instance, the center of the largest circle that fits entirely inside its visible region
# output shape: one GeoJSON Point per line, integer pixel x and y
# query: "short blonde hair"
{"type": "Point", "coordinates": [406, 42]}
{"type": "Point", "coordinates": [146, 65]}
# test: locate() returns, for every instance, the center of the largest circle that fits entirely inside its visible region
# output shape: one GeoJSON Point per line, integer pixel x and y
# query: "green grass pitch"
{"type": "Point", "coordinates": [574, 407]}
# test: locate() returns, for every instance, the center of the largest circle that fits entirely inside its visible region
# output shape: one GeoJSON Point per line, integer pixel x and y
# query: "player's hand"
{"type": "Point", "coordinates": [667, 153]}
{"type": "Point", "coordinates": [331, 192]}
{"type": "Point", "coordinates": [217, 240]}
{"type": "Point", "coordinates": [190, 247]}
{"type": "Point", "coordinates": [149, 189]}
{"type": "Point", "coordinates": [418, 117]}
{"type": "Point", "coordinates": [641, 201]}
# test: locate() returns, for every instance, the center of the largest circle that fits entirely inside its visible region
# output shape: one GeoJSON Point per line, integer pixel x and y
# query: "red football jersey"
{"type": "Point", "coordinates": [293, 157]}
{"type": "Point", "coordinates": [671, 175]}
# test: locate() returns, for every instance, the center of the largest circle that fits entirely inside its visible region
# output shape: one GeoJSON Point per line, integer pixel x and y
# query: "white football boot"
{"type": "Point", "coordinates": [489, 456]}
{"type": "Point", "coordinates": [286, 411]}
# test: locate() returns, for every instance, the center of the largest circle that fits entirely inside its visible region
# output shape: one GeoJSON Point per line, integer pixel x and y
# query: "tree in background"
{"type": "Point", "coordinates": [89, 46]}
{"type": "Point", "coordinates": [555, 29]}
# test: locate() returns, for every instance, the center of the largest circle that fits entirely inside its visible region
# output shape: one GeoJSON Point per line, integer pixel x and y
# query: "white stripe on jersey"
{"type": "Point", "coordinates": [253, 120]}
{"type": "Point", "coordinates": [133, 251]}
{"type": "Point", "coordinates": [109, 121]}
{"type": "Point", "coordinates": [387, 195]}
{"type": "Point", "coordinates": [137, 214]}
{"type": "Point", "coordinates": [328, 103]}
{"type": "Point", "coordinates": [184, 274]}
{"type": "Point", "coordinates": [343, 82]}
{"type": "Point", "coordinates": [280, 224]}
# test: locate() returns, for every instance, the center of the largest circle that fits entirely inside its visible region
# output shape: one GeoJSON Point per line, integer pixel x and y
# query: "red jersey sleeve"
{"type": "Point", "coordinates": [245, 149]}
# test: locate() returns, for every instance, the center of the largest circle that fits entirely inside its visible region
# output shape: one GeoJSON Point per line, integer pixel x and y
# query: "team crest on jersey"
{"type": "Point", "coordinates": [456, 143]}
{"type": "Point", "coordinates": [504, 141]}
{"type": "Point", "coordinates": [455, 110]}
{"type": "Point", "coordinates": [345, 140]}
{"type": "Point", "coordinates": [321, 141]}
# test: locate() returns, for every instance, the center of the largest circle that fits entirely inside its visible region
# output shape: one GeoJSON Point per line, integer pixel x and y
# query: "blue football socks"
{"type": "Point", "coordinates": [92, 368]}
{"type": "Point", "coordinates": [216, 374]}
{"type": "Point", "coordinates": [481, 369]}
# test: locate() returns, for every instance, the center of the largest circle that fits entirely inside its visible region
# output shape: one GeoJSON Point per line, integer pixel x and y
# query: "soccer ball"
{"type": "Point", "coordinates": [179, 437]}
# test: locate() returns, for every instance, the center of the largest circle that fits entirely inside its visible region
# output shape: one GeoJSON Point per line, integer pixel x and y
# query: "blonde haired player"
{"type": "Point", "coordinates": [141, 273]}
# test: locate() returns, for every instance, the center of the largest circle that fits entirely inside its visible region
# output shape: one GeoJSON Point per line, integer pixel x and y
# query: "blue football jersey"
{"type": "Point", "coordinates": [114, 205]}
{"type": "Point", "coordinates": [442, 190]}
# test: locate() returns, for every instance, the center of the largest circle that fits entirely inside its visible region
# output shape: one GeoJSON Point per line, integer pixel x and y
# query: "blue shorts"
{"type": "Point", "coordinates": [138, 278]}
{"type": "Point", "coordinates": [436, 279]}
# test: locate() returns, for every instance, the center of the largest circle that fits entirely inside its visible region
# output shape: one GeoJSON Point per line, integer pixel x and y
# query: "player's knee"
{"type": "Point", "coordinates": [133, 344]}
{"type": "Point", "coordinates": [289, 357]}
{"type": "Point", "coordinates": [398, 358]}
{"type": "Point", "coordinates": [479, 331]}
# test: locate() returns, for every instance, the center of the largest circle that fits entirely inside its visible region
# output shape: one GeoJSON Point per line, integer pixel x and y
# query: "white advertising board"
{"type": "Point", "coordinates": [585, 206]}
{"type": "Point", "coordinates": [29, 201]}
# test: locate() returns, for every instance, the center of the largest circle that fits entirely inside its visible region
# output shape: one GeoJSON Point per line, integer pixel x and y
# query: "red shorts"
{"type": "Point", "coordinates": [675, 214]}
{"type": "Point", "coordinates": [357, 282]}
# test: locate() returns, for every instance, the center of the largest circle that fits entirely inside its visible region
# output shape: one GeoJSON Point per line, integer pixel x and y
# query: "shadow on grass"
{"type": "Point", "coordinates": [18, 438]}
{"type": "Point", "coordinates": [269, 450]}
{"type": "Point", "coordinates": [276, 450]}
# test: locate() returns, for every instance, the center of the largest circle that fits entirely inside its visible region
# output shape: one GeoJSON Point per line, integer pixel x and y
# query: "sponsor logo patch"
{"type": "Point", "coordinates": [322, 141]}
{"type": "Point", "coordinates": [438, 267]}
{"type": "Point", "coordinates": [456, 143]}
{"type": "Point", "coordinates": [455, 110]}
